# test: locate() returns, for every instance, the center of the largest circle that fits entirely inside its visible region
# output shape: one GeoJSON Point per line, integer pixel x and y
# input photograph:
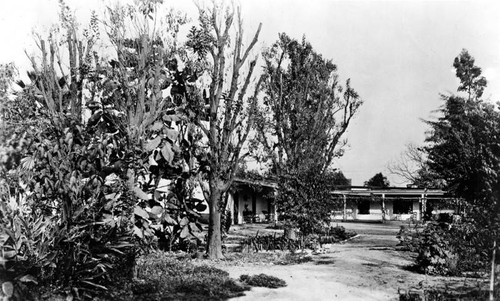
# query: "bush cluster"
{"type": "Point", "coordinates": [61, 223]}
{"type": "Point", "coordinates": [447, 248]}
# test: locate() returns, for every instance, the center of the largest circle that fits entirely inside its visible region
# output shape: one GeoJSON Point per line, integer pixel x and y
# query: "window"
{"type": "Point", "coordinates": [363, 206]}
{"type": "Point", "coordinates": [402, 206]}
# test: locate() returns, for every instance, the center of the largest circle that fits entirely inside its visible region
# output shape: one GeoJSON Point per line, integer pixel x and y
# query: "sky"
{"type": "Point", "coordinates": [398, 54]}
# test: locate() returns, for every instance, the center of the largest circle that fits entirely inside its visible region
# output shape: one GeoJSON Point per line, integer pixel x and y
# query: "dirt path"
{"type": "Point", "coordinates": [365, 268]}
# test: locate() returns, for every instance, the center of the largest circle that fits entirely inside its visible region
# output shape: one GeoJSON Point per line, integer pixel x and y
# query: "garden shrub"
{"type": "Point", "coordinates": [62, 222]}
{"type": "Point", "coordinates": [335, 234]}
{"type": "Point", "coordinates": [446, 248]}
{"type": "Point", "coordinates": [263, 280]}
{"type": "Point", "coordinates": [436, 252]}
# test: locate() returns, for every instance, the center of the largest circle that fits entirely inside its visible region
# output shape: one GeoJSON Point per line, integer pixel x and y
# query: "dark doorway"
{"type": "Point", "coordinates": [363, 206]}
{"type": "Point", "coordinates": [236, 208]}
{"type": "Point", "coordinates": [402, 206]}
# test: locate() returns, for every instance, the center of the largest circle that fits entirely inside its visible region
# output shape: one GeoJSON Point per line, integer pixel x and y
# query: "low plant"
{"type": "Point", "coordinates": [334, 234]}
{"type": "Point", "coordinates": [263, 280]}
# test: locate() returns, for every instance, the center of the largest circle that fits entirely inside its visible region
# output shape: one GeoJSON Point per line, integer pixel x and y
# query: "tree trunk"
{"type": "Point", "coordinates": [492, 280]}
{"type": "Point", "coordinates": [214, 247]}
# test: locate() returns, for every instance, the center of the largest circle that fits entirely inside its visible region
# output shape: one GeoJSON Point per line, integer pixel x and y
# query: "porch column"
{"type": "Point", "coordinates": [423, 208]}
{"type": "Point", "coordinates": [275, 209]}
{"type": "Point", "coordinates": [383, 207]}
{"type": "Point", "coordinates": [345, 207]}
{"type": "Point", "coordinates": [254, 206]}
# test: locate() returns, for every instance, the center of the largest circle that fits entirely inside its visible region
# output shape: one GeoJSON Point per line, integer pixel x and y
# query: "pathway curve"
{"type": "Point", "coordinates": [366, 267]}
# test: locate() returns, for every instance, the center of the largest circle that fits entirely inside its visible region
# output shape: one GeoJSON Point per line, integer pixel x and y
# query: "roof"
{"type": "Point", "coordinates": [390, 191]}
{"type": "Point", "coordinates": [264, 182]}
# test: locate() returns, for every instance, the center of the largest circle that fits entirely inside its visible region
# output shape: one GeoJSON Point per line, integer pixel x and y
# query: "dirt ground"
{"type": "Point", "coordinates": [367, 267]}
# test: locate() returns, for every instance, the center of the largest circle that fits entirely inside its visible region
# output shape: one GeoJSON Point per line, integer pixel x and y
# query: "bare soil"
{"type": "Point", "coordinates": [366, 267]}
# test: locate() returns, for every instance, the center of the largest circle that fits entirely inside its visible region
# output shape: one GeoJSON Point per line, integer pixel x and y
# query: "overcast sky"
{"type": "Point", "coordinates": [398, 54]}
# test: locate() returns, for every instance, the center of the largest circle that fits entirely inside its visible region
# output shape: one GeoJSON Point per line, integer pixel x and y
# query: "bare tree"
{"type": "Point", "coordinates": [230, 105]}
{"type": "Point", "coordinates": [409, 163]}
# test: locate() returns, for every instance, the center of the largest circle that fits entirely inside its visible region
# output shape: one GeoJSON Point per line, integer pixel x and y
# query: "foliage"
{"type": "Point", "coordinates": [70, 214]}
{"type": "Point", "coordinates": [263, 280]}
{"type": "Point", "coordinates": [62, 222]}
{"type": "Point", "coordinates": [274, 242]}
{"type": "Point", "coordinates": [7, 75]}
{"type": "Point", "coordinates": [181, 280]}
{"type": "Point", "coordinates": [378, 180]}
{"type": "Point", "coordinates": [440, 294]}
{"type": "Point", "coordinates": [469, 75]}
{"type": "Point", "coordinates": [264, 258]}
{"type": "Point", "coordinates": [463, 150]}
{"type": "Point", "coordinates": [446, 248]}
{"type": "Point", "coordinates": [172, 155]}
{"type": "Point", "coordinates": [335, 234]}
{"type": "Point", "coordinates": [304, 115]}
{"type": "Point", "coordinates": [305, 111]}
{"type": "Point", "coordinates": [304, 200]}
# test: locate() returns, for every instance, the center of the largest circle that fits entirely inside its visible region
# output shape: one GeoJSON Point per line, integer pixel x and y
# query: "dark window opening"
{"type": "Point", "coordinates": [403, 207]}
{"type": "Point", "coordinates": [364, 207]}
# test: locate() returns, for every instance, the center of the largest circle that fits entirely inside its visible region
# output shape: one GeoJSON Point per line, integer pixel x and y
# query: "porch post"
{"type": "Point", "coordinates": [345, 207]}
{"type": "Point", "coordinates": [275, 209]}
{"type": "Point", "coordinates": [254, 206]}
{"type": "Point", "coordinates": [424, 205]}
{"type": "Point", "coordinates": [383, 207]}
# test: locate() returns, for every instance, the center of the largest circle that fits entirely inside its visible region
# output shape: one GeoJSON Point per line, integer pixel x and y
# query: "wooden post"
{"type": "Point", "coordinates": [345, 207]}
{"type": "Point", "coordinates": [254, 206]}
{"type": "Point", "coordinates": [383, 207]}
{"type": "Point", "coordinates": [424, 206]}
{"type": "Point", "coordinates": [492, 279]}
{"type": "Point", "coordinates": [275, 209]}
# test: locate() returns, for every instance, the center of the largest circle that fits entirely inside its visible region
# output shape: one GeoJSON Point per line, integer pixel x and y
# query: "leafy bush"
{"type": "Point", "coordinates": [446, 249]}
{"type": "Point", "coordinates": [62, 222]}
{"type": "Point", "coordinates": [436, 253]}
{"type": "Point", "coordinates": [305, 201]}
{"type": "Point", "coordinates": [263, 280]}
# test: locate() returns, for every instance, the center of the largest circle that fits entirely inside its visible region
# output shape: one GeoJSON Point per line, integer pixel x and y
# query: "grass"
{"type": "Point", "coordinates": [263, 258]}
{"type": "Point", "coordinates": [168, 276]}
{"type": "Point", "coordinates": [165, 278]}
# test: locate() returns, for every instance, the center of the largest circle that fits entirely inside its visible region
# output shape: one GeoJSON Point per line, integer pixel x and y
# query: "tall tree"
{"type": "Point", "coordinates": [305, 113]}
{"type": "Point", "coordinates": [231, 101]}
{"type": "Point", "coordinates": [464, 150]}
{"type": "Point", "coordinates": [378, 180]}
{"type": "Point", "coordinates": [469, 74]}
